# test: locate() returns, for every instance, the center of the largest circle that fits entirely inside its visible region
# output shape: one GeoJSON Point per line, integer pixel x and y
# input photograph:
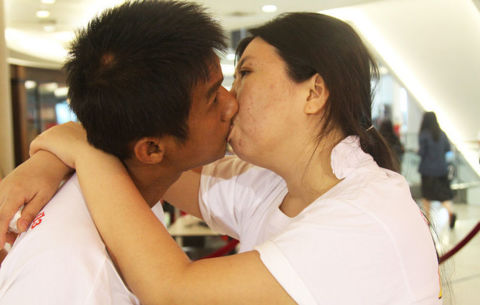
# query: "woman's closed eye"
{"type": "Point", "coordinates": [244, 72]}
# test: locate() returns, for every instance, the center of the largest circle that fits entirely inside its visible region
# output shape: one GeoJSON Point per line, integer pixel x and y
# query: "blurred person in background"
{"type": "Point", "coordinates": [387, 131]}
{"type": "Point", "coordinates": [433, 146]}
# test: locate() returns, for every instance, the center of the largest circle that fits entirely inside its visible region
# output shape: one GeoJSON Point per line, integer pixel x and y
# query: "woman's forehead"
{"type": "Point", "coordinates": [257, 51]}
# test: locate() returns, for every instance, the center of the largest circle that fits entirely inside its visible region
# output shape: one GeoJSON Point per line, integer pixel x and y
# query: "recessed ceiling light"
{"type": "Point", "coordinates": [48, 1]}
{"type": "Point", "coordinates": [49, 28]}
{"type": "Point", "coordinates": [43, 14]}
{"type": "Point", "coordinates": [269, 8]}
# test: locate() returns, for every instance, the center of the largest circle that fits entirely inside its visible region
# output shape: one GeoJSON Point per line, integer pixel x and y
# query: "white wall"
{"type": "Point", "coordinates": [433, 48]}
{"type": "Point", "coordinates": [6, 130]}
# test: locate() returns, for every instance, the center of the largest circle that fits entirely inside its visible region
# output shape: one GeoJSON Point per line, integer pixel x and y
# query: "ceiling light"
{"type": "Point", "coordinates": [269, 8]}
{"type": "Point", "coordinates": [30, 84]}
{"type": "Point", "coordinates": [48, 1]}
{"type": "Point", "coordinates": [43, 14]}
{"type": "Point", "coordinates": [25, 42]}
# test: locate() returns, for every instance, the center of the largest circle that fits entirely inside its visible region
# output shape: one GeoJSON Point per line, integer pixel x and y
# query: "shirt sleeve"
{"type": "Point", "coordinates": [323, 261]}
{"type": "Point", "coordinates": [341, 254]}
{"type": "Point", "coordinates": [217, 197]}
{"type": "Point", "coordinates": [279, 266]}
{"type": "Point", "coordinates": [232, 194]}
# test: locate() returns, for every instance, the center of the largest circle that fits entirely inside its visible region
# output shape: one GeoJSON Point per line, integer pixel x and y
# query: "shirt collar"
{"type": "Point", "coordinates": [347, 156]}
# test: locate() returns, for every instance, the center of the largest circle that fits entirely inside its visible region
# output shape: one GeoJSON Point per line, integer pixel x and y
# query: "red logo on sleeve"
{"type": "Point", "coordinates": [37, 220]}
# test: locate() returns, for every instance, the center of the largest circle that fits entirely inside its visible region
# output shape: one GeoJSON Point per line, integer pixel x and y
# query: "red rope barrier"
{"type": "Point", "coordinates": [224, 250]}
{"type": "Point", "coordinates": [461, 244]}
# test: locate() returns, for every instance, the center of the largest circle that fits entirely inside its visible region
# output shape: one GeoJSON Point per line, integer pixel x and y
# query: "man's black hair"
{"type": "Point", "coordinates": [131, 71]}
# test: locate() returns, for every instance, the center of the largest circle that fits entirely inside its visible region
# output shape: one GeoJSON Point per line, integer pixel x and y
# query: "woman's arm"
{"type": "Point", "coordinates": [183, 194]}
{"type": "Point", "coordinates": [31, 184]}
{"type": "Point", "coordinates": [153, 265]}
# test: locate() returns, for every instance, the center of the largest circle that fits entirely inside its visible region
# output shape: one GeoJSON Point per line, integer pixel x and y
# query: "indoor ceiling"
{"type": "Point", "coordinates": [41, 41]}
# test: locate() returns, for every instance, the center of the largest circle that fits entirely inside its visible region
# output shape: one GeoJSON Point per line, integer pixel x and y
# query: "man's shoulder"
{"type": "Point", "coordinates": [62, 233]}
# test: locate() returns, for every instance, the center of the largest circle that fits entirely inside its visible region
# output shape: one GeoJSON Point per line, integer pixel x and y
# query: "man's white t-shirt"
{"type": "Point", "coordinates": [365, 241]}
{"type": "Point", "coordinates": [62, 259]}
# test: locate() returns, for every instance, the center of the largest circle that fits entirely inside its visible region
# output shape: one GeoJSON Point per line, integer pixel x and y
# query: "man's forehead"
{"type": "Point", "coordinates": [215, 71]}
{"type": "Point", "coordinates": [206, 87]}
{"type": "Point", "coordinates": [215, 76]}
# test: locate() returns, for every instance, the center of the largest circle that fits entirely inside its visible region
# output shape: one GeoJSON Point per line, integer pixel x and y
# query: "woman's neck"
{"type": "Point", "coordinates": [309, 177]}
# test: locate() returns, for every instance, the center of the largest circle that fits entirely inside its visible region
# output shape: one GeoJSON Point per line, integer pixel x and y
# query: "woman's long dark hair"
{"type": "Point", "coordinates": [312, 43]}
{"type": "Point", "coordinates": [430, 123]}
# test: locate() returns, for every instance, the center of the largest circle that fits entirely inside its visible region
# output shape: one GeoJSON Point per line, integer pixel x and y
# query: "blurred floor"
{"type": "Point", "coordinates": [460, 273]}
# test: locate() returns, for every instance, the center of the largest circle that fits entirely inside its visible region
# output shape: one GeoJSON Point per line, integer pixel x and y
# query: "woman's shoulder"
{"type": "Point", "coordinates": [369, 196]}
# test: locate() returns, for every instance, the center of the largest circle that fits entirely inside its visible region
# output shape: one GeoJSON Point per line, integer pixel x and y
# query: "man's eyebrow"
{"type": "Point", "coordinates": [214, 88]}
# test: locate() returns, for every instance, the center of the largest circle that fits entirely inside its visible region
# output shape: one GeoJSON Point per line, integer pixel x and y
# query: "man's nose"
{"type": "Point", "coordinates": [231, 107]}
{"type": "Point", "coordinates": [233, 90]}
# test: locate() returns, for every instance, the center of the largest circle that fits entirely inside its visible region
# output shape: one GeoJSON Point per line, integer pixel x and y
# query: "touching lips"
{"type": "Point", "coordinates": [229, 136]}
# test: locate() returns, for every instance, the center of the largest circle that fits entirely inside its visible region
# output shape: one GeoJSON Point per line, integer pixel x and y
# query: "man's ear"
{"type": "Point", "coordinates": [150, 150]}
{"type": "Point", "coordinates": [318, 95]}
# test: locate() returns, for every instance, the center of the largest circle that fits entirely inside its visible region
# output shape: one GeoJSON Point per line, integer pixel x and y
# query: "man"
{"type": "Point", "coordinates": [145, 83]}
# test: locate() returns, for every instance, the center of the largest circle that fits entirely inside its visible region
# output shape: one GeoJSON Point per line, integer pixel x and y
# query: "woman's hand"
{"type": "Point", "coordinates": [66, 141]}
{"type": "Point", "coordinates": [31, 185]}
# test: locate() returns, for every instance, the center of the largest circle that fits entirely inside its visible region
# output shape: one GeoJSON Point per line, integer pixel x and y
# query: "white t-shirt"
{"type": "Point", "coordinates": [62, 259]}
{"type": "Point", "coordinates": [365, 241]}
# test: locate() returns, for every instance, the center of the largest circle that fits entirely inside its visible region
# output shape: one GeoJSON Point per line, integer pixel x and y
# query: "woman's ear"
{"type": "Point", "coordinates": [318, 95]}
{"type": "Point", "coordinates": [150, 150]}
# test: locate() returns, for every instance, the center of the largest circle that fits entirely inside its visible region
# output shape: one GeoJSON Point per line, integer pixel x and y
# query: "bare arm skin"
{"type": "Point", "coordinates": [35, 181]}
{"type": "Point", "coordinates": [153, 265]}
{"type": "Point", "coordinates": [183, 194]}
{"type": "Point", "coordinates": [32, 184]}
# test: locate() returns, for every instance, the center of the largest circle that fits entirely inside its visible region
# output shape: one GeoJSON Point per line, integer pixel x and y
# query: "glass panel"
{"type": "Point", "coordinates": [47, 106]}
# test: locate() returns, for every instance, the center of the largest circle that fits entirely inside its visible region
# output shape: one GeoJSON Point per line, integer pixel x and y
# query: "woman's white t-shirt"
{"type": "Point", "coordinates": [365, 241]}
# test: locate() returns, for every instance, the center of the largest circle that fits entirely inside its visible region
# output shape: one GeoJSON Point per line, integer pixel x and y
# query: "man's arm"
{"type": "Point", "coordinates": [31, 184]}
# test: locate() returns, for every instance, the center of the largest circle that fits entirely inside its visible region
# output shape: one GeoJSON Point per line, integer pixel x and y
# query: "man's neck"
{"type": "Point", "coordinates": [152, 181]}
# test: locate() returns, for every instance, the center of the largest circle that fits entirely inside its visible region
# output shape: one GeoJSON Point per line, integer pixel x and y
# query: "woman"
{"type": "Point", "coordinates": [321, 217]}
{"type": "Point", "coordinates": [433, 167]}
{"type": "Point", "coordinates": [388, 133]}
